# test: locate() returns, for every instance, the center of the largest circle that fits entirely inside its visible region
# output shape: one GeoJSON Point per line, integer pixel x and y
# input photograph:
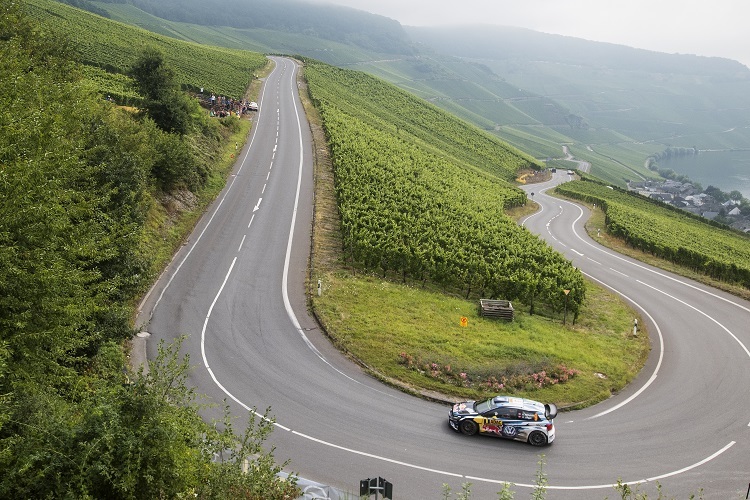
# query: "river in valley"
{"type": "Point", "coordinates": [726, 170]}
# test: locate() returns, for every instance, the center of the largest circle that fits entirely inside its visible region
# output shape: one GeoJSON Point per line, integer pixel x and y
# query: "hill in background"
{"type": "Point", "coordinates": [610, 105]}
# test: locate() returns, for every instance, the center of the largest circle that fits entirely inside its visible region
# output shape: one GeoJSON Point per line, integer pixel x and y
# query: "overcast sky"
{"type": "Point", "coordinates": [702, 27]}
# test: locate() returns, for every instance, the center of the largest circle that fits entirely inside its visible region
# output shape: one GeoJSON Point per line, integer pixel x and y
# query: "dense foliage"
{"type": "Point", "coordinates": [73, 175]}
{"type": "Point", "coordinates": [408, 208]}
{"type": "Point", "coordinates": [162, 100]}
{"type": "Point", "coordinates": [668, 232]}
{"type": "Point", "coordinates": [112, 437]}
{"type": "Point", "coordinates": [76, 177]}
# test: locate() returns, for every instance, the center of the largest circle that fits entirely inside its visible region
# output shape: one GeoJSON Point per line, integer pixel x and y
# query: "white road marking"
{"type": "Point", "coordinates": [661, 350]}
{"type": "Point", "coordinates": [727, 330]}
{"type": "Point", "coordinates": [643, 267]}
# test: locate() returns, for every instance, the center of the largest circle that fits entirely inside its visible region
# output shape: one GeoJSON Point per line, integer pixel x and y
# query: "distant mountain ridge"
{"type": "Point", "coordinates": [506, 42]}
{"type": "Point", "coordinates": [329, 22]}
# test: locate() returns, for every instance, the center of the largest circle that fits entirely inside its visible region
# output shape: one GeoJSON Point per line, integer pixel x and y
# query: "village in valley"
{"type": "Point", "coordinates": [711, 203]}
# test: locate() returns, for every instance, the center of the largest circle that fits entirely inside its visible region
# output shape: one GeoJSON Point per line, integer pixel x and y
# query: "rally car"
{"type": "Point", "coordinates": [505, 416]}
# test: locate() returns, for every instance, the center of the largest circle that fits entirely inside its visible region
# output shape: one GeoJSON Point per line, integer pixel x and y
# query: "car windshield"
{"type": "Point", "coordinates": [483, 406]}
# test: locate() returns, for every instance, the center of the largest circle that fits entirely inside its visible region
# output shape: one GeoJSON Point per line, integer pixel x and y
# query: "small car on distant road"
{"type": "Point", "coordinates": [506, 416]}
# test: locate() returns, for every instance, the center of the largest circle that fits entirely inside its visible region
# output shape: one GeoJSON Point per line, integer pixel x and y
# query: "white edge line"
{"type": "Point", "coordinates": [216, 210]}
{"type": "Point", "coordinates": [711, 318]}
{"type": "Point", "coordinates": [287, 259]}
{"type": "Point", "coordinates": [603, 249]}
{"type": "Point", "coordinates": [603, 486]}
{"type": "Point", "coordinates": [661, 351]}
{"type": "Point", "coordinates": [377, 457]}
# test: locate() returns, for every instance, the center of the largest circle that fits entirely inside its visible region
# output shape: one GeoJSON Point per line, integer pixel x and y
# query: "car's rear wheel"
{"type": "Point", "coordinates": [468, 427]}
{"type": "Point", "coordinates": [537, 438]}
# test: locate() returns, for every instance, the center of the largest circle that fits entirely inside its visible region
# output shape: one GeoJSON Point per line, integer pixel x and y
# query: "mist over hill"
{"type": "Point", "coordinates": [548, 95]}
{"type": "Point", "coordinates": [329, 22]}
{"type": "Point", "coordinates": [509, 43]}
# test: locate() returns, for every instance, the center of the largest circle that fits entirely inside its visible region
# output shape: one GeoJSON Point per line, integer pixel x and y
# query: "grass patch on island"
{"type": "Point", "coordinates": [415, 338]}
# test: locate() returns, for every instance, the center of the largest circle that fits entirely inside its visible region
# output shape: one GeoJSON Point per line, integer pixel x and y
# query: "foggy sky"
{"type": "Point", "coordinates": [708, 28]}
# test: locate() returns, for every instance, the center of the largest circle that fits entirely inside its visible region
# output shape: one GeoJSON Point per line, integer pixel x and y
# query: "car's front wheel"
{"type": "Point", "coordinates": [537, 438]}
{"type": "Point", "coordinates": [468, 427]}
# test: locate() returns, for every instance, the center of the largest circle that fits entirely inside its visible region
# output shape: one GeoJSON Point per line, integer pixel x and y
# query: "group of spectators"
{"type": "Point", "coordinates": [222, 106]}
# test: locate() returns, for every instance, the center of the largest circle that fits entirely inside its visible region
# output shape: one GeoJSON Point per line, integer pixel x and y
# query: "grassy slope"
{"type": "Point", "coordinates": [115, 46]}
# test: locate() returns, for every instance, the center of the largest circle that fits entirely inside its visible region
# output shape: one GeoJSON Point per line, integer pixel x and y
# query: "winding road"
{"type": "Point", "coordinates": [236, 290]}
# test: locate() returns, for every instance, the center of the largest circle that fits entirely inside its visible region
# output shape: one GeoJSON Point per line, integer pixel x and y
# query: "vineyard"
{"type": "Point", "coordinates": [114, 47]}
{"type": "Point", "coordinates": [118, 86]}
{"type": "Point", "coordinates": [422, 195]}
{"type": "Point", "coordinates": [668, 232]}
{"type": "Point", "coordinates": [410, 118]}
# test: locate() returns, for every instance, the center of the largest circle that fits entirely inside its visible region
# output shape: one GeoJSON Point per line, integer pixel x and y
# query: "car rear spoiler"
{"type": "Point", "coordinates": [550, 411]}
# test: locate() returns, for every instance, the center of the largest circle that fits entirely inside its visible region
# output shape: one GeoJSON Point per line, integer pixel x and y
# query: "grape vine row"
{"type": "Point", "coordinates": [409, 206]}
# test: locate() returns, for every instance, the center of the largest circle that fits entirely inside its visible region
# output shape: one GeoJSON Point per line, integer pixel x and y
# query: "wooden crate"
{"type": "Point", "coordinates": [501, 309]}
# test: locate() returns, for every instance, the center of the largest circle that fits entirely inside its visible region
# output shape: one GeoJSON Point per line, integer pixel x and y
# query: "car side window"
{"type": "Point", "coordinates": [508, 413]}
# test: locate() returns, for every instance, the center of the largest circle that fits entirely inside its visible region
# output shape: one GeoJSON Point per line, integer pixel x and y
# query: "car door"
{"type": "Point", "coordinates": [500, 422]}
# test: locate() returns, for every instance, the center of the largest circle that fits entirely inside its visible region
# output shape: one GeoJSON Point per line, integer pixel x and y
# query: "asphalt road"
{"type": "Point", "coordinates": [236, 291]}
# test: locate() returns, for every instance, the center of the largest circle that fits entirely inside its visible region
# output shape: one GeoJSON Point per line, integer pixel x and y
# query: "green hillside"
{"type": "Point", "coordinates": [672, 234]}
{"type": "Point", "coordinates": [614, 98]}
{"type": "Point", "coordinates": [422, 194]}
{"type": "Point", "coordinates": [419, 233]}
{"type": "Point", "coordinates": [533, 90]}
{"type": "Point", "coordinates": [113, 47]}
{"type": "Point", "coordinates": [89, 215]}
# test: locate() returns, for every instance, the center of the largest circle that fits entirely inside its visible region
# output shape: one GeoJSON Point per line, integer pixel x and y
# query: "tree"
{"type": "Point", "coordinates": [131, 437]}
{"type": "Point", "coordinates": [162, 100]}
{"type": "Point", "coordinates": [716, 193]}
{"type": "Point", "coordinates": [54, 230]}
{"type": "Point", "coordinates": [735, 195]}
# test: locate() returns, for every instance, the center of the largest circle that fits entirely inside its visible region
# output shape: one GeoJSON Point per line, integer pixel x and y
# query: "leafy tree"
{"type": "Point", "coordinates": [130, 439]}
{"type": "Point", "coordinates": [52, 231]}
{"type": "Point", "coordinates": [175, 164]}
{"type": "Point", "coordinates": [716, 193]}
{"type": "Point", "coordinates": [183, 133]}
{"type": "Point", "coordinates": [163, 102]}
